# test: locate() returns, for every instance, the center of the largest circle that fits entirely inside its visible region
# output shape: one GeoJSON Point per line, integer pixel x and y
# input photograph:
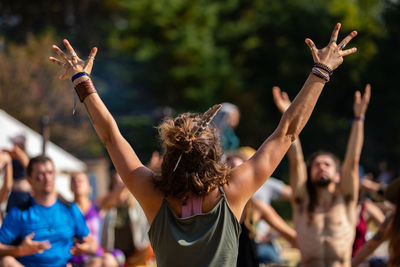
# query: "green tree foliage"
{"type": "Point", "coordinates": [384, 113]}
{"type": "Point", "coordinates": [30, 89]}
{"type": "Point", "coordinates": [195, 53]}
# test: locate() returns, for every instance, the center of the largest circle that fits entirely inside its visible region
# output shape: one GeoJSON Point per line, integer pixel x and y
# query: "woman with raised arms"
{"type": "Point", "coordinates": [194, 205]}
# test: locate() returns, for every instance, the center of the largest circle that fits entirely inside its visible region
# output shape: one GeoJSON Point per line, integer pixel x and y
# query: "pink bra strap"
{"type": "Point", "coordinates": [192, 207]}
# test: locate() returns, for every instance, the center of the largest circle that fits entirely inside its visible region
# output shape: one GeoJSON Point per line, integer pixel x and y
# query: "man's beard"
{"type": "Point", "coordinates": [323, 182]}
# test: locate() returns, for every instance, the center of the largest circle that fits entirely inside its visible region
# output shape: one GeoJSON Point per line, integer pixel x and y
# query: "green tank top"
{"type": "Point", "coordinates": [208, 239]}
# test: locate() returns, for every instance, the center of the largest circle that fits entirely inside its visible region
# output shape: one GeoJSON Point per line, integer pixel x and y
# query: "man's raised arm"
{"type": "Point", "coordinates": [297, 166]}
{"type": "Point", "coordinates": [297, 171]}
{"type": "Point", "coordinates": [349, 173]}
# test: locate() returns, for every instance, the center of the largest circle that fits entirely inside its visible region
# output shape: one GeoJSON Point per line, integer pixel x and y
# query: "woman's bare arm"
{"type": "Point", "coordinates": [135, 175]}
{"type": "Point", "coordinates": [248, 177]}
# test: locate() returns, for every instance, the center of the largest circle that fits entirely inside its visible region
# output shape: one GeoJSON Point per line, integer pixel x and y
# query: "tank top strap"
{"type": "Point", "coordinates": [221, 190]}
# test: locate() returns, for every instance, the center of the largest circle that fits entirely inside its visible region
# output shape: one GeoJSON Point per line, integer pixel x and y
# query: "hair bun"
{"type": "Point", "coordinates": [178, 135]}
{"type": "Point", "coordinates": [188, 143]}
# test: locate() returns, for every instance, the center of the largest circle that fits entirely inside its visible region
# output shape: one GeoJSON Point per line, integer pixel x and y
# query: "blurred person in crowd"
{"type": "Point", "coordinates": [226, 120]}
{"type": "Point", "coordinates": [388, 230]}
{"type": "Point", "coordinates": [81, 188]}
{"type": "Point", "coordinates": [20, 192]}
{"type": "Point", "coordinates": [375, 191]}
{"type": "Point", "coordinates": [367, 212]}
{"type": "Point", "coordinates": [45, 231]}
{"type": "Point", "coordinates": [155, 162]}
{"type": "Point", "coordinates": [125, 225]}
{"type": "Point", "coordinates": [257, 217]}
{"type": "Point", "coordinates": [187, 204]}
{"type": "Point", "coordinates": [272, 189]}
{"type": "Point", "coordinates": [385, 175]}
{"type": "Point", "coordinates": [268, 250]}
{"type": "Point", "coordinates": [325, 194]}
{"type": "Point", "coordinates": [255, 213]}
{"type": "Point", "coordinates": [6, 167]}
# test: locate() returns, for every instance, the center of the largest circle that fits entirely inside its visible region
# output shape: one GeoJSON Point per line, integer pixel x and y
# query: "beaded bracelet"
{"type": "Point", "coordinates": [79, 74]}
{"type": "Point", "coordinates": [323, 67]}
{"type": "Point", "coordinates": [320, 74]}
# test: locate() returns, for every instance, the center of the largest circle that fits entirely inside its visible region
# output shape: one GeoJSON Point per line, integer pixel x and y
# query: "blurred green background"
{"type": "Point", "coordinates": [162, 57]}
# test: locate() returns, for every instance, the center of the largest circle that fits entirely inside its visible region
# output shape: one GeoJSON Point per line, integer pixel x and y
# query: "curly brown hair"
{"type": "Point", "coordinates": [200, 169]}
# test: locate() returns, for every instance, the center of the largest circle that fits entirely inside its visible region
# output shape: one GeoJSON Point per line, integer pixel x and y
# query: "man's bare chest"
{"type": "Point", "coordinates": [328, 233]}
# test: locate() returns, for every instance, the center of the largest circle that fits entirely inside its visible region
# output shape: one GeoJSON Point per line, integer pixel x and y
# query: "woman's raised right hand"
{"type": "Point", "coordinates": [73, 64]}
{"type": "Point", "coordinates": [332, 55]}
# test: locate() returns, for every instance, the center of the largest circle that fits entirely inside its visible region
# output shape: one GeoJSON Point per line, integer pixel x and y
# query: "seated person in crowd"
{"type": "Point", "coordinates": [258, 216]}
{"type": "Point", "coordinates": [46, 231]}
{"type": "Point", "coordinates": [125, 225]}
{"type": "Point", "coordinates": [264, 216]}
{"type": "Point", "coordinates": [368, 212]}
{"type": "Point", "coordinates": [81, 188]}
{"type": "Point", "coordinates": [273, 189]}
{"type": "Point", "coordinates": [388, 230]}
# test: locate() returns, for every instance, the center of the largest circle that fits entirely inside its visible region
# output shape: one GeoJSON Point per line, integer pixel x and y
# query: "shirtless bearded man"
{"type": "Point", "coordinates": [325, 194]}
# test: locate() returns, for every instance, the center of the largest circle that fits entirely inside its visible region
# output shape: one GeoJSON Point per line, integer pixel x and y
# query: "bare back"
{"type": "Point", "coordinates": [208, 203]}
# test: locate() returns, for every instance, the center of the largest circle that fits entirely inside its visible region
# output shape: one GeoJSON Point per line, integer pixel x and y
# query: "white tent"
{"type": "Point", "coordinates": [63, 161]}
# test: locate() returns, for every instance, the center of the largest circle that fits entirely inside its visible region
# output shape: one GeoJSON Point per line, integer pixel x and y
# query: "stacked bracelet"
{"type": "Point", "coordinates": [85, 88]}
{"type": "Point", "coordinates": [320, 74]}
{"type": "Point", "coordinates": [79, 74]}
{"type": "Point", "coordinates": [324, 67]}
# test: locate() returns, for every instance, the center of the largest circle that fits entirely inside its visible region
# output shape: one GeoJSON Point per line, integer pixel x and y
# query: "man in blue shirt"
{"type": "Point", "coordinates": [42, 232]}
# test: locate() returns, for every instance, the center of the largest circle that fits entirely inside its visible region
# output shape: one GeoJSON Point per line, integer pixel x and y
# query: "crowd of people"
{"type": "Point", "coordinates": [205, 201]}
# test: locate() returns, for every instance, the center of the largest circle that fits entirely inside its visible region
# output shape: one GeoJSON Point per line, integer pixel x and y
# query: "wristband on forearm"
{"type": "Point", "coordinates": [324, 67]}
{"type": "Point", "coordinates": [85, 88]}
{"type": "Point", "coordinates": [357, 119]}
{"type": "Point", "coordinates": [320, 74]}
{"type": "Point", "coordinates": [79, 74]}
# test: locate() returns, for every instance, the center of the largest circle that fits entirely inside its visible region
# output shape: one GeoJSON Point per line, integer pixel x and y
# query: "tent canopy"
{"type": "Point", "coordinates": [63, 161]}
